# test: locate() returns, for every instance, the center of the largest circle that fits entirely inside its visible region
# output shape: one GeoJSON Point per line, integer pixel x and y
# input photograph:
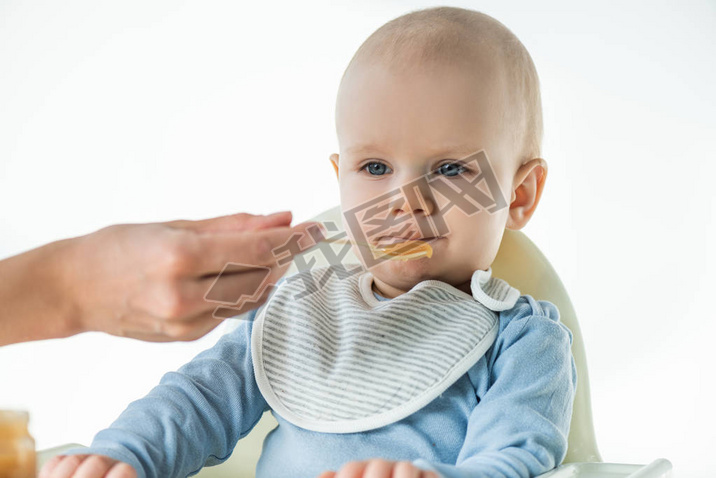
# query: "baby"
{"type": "Point", "coordinates": [429, 367]}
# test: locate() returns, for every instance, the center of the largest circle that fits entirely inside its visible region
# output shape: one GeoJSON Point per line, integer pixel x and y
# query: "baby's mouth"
{"type": "Point", "coordinates": [405, 249]}
{"type": "Point", "coordinates": [390, 240]}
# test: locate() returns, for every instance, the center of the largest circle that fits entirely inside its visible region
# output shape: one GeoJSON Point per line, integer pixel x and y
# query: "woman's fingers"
{"type": "Point", "coordinates": [152, 329]}
{"type": "Point", "coordinates": [235, 222]}
{"type": "Point", "coordinates": [231, 285]}
{"type": "Point", "coordinates": [263, 247]}
{"type": "Point", "coordinates": [248, 285]}
{"type": "Point", "coordinates": [238, 289]}
{"type": "Point", "coordinates": [187, 308]}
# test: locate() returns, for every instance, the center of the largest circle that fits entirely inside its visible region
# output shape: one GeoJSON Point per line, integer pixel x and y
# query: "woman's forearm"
{"type": "Point", "coordinates": [34, 302]}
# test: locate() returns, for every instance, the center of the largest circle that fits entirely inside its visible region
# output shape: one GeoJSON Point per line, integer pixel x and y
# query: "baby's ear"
{"type": "Point", "coordinates": [334, 162]}
{"type": "Point", "coordinates": [526, 192]}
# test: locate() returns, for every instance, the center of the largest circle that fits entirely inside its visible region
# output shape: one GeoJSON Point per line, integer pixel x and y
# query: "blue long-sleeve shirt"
{"type": "Point", "coordinates": [508, 416]}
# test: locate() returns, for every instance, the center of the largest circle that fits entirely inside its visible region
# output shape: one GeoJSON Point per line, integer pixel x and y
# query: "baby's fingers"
{"type": "Point", "coordinates": [50, 465]}
{"type": "Point", "coordinates": [86, 466]}
{"type": "Point", "coordinates": [405, 469]}
{"type": "Point", "coordinates": [121, 470]}
{"type": "Point", "coordinates": [95, 466]}
{"type": "Point", "coordinates": [61, 466]}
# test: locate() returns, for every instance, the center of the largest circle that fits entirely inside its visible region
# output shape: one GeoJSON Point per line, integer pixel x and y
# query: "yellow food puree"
{"type": "Point", "coordinates": [408, 250]}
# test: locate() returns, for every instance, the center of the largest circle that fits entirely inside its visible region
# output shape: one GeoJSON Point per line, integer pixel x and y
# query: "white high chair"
{"type": "Point", "coordinates": [523, 266]}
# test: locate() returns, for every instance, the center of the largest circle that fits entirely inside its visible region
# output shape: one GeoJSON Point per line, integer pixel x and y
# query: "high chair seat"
{"type": "Point", "coordinates": [519, 262]}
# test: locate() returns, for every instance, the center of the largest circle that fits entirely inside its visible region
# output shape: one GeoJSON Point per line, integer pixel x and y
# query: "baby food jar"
{"type": "Point", "coordinates": [17, 447]}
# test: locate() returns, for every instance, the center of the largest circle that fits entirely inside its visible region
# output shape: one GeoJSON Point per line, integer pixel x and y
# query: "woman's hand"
{"type": "Point", "coordinates": [149, 281]}
{"type": "Point", "coordinates": [86, 466]}
{"type": "Point", "coordinates": [145, 281]}
{"type": "Point", "coordinates": [379, 468]}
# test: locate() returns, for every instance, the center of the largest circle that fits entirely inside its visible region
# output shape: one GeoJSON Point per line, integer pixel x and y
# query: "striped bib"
{"type": "Point", "coordinates": [328, 356]}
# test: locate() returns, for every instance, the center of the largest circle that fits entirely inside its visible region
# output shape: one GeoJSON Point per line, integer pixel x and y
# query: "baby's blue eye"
{"type": "Point", "coordinates": [375, 168]}
{"type": "Point", "coordinates": [451, 169]}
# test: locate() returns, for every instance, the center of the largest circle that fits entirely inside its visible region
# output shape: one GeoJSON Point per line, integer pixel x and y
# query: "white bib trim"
{"type": "Point", "coordinates": [338, 360]}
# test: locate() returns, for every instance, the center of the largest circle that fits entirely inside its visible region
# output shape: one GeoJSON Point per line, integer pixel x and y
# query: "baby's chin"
{"type": "Point", "coordinates": [404, 275]}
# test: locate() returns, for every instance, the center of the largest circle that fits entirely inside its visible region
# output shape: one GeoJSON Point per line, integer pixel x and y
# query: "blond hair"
{"type": "Point", "coordinates": [452, 35]}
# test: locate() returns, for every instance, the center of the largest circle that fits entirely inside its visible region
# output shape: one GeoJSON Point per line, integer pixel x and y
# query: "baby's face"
{"type": "Point", "coordinates": [394, 128]}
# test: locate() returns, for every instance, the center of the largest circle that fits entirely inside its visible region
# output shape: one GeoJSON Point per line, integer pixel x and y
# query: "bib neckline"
{"type": "Point", "coordinates": [481, 284]}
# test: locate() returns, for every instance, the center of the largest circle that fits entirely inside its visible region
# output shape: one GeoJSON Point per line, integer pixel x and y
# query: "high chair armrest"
{"type": "Point", "coordinates": [660, 468]}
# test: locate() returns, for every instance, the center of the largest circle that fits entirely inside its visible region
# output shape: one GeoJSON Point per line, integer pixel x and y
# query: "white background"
{"type": "Point", "coordinates": [139, 111]}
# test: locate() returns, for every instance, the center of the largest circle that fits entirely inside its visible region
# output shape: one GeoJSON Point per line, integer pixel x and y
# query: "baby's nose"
{"type": "Point", "coordinates": [418, 204]}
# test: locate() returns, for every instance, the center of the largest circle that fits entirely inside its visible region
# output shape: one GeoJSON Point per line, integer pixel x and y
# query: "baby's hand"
{"type": "Point", "coordinates": [86, 466]}
{"type": "Point", "coordinates": [379, 468]}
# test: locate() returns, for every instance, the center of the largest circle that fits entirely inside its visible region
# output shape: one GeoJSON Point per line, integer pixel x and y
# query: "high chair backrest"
{"type": "Point", "coordinates": [520, 262]}
{"type": "Point", "coordinates": [522, 265]}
